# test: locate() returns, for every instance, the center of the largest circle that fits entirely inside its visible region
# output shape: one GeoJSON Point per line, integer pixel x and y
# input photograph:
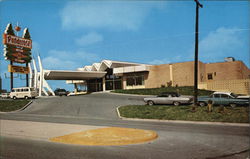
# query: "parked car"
{"type": "Point", "coordinates": [23, 92]}
{"type": "Point", "coordinates": [224, 98]}
{"type": "Point", "coordinates": [61, 92]}
{"type": "Point", "coordinates": [169, 98]}
{"type": "Point", "coordinates": [5, 95]}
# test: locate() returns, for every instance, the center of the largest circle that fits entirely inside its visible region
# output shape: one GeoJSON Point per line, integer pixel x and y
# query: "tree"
{"type": "Point", "coordinates": [8, 49]}
{"type": "Point", "coordinates": [27, 51]}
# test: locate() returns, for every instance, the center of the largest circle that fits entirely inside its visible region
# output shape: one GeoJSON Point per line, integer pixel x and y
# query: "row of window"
{"type": "Point", "coordinates": [135, 80]}
{"type": "Point", "coordinates": [22, 89]}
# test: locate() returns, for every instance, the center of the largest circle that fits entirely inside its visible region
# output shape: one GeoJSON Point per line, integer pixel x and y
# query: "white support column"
{"type": "Point", "coordinates": [103, 84]}
{"type": "Point", "coordinates": [31, 76]}
{"type": "Point", "coordinates": [45, 83]}
{"type": "Point", "coordinates": [42, 82]}
{"type": "Point", "coordinates": [35, 74]}
{"type": "Point", "coordinates": [41, 76]}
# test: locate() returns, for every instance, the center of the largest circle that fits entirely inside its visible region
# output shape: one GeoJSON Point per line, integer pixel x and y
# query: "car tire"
{"type": "Point", "coordinates": [14, 97]}
{"type": "Point", "coordinates": [150, 102]}
{"type": "Point", "coordinates": [202, 104]}
{"type": "Point", "coordinates": [176, 103]}
{"type": "Point", "coordinates": [233, 105]}
{"type": "Point", "coordinates": [26, 97]}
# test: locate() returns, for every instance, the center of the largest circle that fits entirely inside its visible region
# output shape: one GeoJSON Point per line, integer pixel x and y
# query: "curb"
{"type": "Point", "coordinates": [137, 95]}
{"type": "Point", "coordinates": [24, 107]}
{"type": "Point", "coordinates": [182, 121]}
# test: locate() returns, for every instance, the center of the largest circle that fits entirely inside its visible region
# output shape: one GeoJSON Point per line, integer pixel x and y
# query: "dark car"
{"type": "Point", "coordinates": [61, 92]}
{"type": "Point", "coordinates": [224, 98]}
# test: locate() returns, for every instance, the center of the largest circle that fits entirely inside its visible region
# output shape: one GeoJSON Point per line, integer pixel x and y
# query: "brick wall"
{"type": "Point", "coordinates": [183, 73]}
{"type": "Point", "coordinates": [227, 70]}
{"type": "Point", "coordinates": [158, 75]}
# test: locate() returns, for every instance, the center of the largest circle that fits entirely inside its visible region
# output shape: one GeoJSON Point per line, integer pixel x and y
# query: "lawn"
{"type": "Point", "coordinates": [233, 115]}
{"type": "Point", "coordinates": [11, 105]}
{"type": "Point", "coordinates": [187, 90]}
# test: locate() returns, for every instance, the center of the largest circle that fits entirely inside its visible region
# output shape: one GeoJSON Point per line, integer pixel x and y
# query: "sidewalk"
{"type": "Point", "coordinates": [76, 134]}
{"type": "Point", "coordinates": [39, 130]}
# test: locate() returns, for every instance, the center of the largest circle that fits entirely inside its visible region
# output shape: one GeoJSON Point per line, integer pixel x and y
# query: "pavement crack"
{"type": "Point", "coordinates": [231, 154]}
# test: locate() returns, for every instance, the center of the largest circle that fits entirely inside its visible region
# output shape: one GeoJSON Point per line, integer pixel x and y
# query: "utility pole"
{"type": "Point", "coordinates": [198, 5]}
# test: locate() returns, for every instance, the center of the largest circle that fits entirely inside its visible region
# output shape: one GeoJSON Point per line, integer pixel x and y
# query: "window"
{"type": "Point", "coordinates": [209, 76]}
{"type": "Point", "coordinates": [234, 95]}
{"type": "Point", "coordinates": [224, 96]}
{"type": "Point", "coordinates": [163, 95]}
{"type": "Point", "coordinates": [135, 80]}
{"type": "Point", "coordinates": [216, 95]}
{"type": "Point", "coordinates": [130, 81]}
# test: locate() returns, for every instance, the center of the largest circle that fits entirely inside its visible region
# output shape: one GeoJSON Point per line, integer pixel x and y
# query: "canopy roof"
{"type": "Point", "coordinates": [104, 64]}
{"type": "Point", "coordinates": [96, 70]}
{"type": "Point", "coordinates": [72, 75]}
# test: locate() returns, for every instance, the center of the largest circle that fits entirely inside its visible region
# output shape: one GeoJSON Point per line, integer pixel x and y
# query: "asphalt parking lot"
{"type": "Point", "coordinates": [176, 140]}
{"type": "Point", "coordinates": [97, 105]}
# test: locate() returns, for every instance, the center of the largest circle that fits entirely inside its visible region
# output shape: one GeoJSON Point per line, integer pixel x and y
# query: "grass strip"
{"type": "Point", "coordinates": [12, 105]}
{"type": "Point", "coordinates": [232, 115]}
{"type": "Point", "coordinates": [187, 90]}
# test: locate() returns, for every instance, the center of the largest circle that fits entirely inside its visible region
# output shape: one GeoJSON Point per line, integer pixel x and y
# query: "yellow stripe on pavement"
{"type": "Point", "coordinates": [108, 136]}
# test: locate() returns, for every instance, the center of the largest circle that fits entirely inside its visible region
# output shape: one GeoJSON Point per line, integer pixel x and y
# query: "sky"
{"type": "Point", "coordinates": [69, 34]}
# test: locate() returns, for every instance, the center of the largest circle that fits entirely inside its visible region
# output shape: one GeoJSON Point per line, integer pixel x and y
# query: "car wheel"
{"type": "Point", "coordinates": [202, 104]}
{"type": "Point", "coordinates": [26, 97]}
{"type": "Point", "coordinates": [176, 103]}
{"type": "Point", "coordinates": [233, 105]}
{"type": "Point", "coordinates": [150, 102]}
{"type": "Point", "coordinates": [14, 97]}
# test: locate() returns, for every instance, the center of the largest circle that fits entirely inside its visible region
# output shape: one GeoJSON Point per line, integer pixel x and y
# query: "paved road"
{"type": "Point", "coordinates": [98, 105]}
{"type": "Point", "coordinates": [175, 140]}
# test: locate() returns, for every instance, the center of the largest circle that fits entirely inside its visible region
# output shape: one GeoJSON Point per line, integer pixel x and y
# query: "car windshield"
{"type": "Point", "coordinates": [234, 95]}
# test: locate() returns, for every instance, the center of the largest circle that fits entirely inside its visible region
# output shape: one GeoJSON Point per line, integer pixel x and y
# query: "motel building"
{"type": "Point", "coordinates": [229, 75]}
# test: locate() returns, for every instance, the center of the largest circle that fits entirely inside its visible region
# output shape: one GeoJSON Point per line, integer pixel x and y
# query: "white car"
{"type": "Point", "coordinates": [169, 98]}
{"type": "Point", "coordinates": [5, 95]}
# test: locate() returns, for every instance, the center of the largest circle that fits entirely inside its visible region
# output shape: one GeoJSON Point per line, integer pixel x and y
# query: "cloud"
{"type": "Point", "coordinates": [171, 59]}
{"type": "Point", "coordinates": [66, 60]}
{"type": "Point", "coordinates": [89, 39]}
{"type": "Point", "coordinates": [110, 14]}
{"type": "Point", "coordinates": [159, 62]}
{"type": "Point", "coordinates": [220, 43]}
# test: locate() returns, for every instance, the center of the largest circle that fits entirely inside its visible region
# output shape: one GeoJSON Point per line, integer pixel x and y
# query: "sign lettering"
{"type": "Point", "coordinates": [17, 41]}
{"type": "Point", "coordinates": [18, 69]}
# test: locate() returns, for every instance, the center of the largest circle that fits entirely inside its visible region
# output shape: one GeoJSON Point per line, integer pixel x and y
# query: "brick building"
{"type": "Point", "coordinates": [125, 75]}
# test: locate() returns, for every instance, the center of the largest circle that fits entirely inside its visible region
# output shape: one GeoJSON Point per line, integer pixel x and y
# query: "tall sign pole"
{"type": "Point", "coordinates": [198, 5]}
{"type": "Point", "coordinates": [11, 78]}
{"type": "Point", "coordinates": [17, 50]}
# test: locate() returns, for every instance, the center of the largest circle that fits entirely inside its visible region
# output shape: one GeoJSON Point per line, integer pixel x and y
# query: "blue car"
{"type": "Point", "coordinates": [224, 98]}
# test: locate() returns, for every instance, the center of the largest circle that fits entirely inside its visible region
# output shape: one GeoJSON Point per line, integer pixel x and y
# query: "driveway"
{"type": "Point", "coordinates": [97, 105]}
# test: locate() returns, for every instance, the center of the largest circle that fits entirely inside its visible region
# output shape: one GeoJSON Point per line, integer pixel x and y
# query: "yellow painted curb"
{"type": "Point", "coordinates": [108, 136]}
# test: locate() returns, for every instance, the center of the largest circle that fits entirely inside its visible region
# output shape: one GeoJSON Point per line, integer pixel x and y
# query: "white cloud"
{"type": "Point", "coordinates": [168, 60]}
{"type": "Point", "coordinates": [89, 39]}
{"type": "Point", "coordinates": [159, 62]}
{"type": "Point", "coordinates": [66, 60]}
{"type": "Point", "coordinates": [109, 14]}
{"type": "Point", "coordinates": [220, 43]}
